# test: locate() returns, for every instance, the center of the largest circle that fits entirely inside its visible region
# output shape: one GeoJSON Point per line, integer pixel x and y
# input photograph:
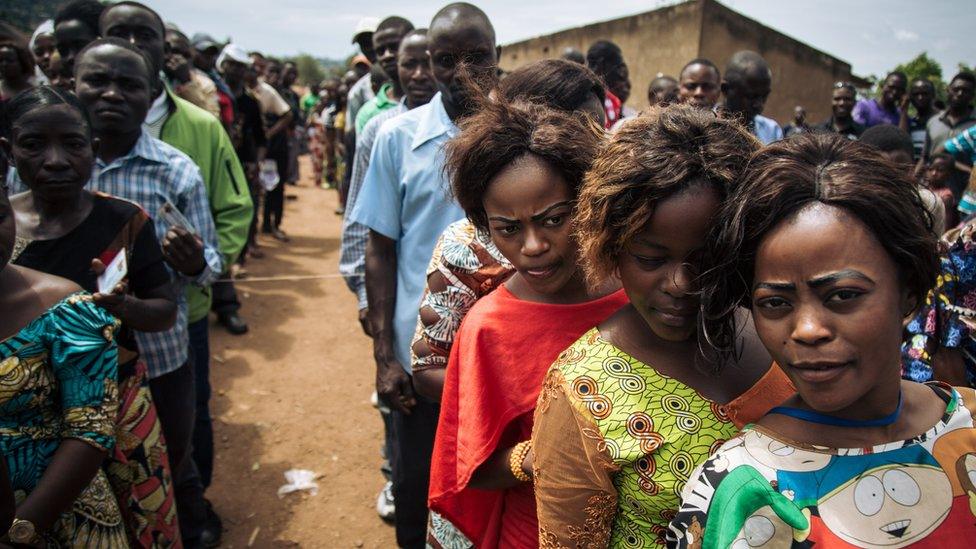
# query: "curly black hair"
{"type": "Point", "coordinates": [502, 132]}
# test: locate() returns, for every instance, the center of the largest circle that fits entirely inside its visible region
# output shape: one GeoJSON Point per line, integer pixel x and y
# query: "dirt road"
{"type": "Point", "coordinates": [294, 393]}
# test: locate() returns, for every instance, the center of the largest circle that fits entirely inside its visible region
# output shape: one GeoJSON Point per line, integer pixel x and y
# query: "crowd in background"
{"type": "Point", "coordinates": [595, 321]}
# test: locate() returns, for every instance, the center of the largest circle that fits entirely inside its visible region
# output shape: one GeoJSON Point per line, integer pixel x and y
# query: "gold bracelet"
{"type": "Point", "coordinates": [516, 459]}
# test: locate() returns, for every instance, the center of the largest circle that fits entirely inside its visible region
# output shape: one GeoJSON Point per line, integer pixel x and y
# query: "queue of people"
{"type": "Point", "coordinates": [128, 143]}
{"type": "Point", "coordinates": [568, 373]}
{"type": "Point", "coordinates": [591, 326]}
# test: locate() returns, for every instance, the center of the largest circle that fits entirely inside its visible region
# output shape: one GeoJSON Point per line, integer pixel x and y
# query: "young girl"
{"type": "Point", "coordinates": [516, 169]}
{"type": "Point", "coordinates": [831, 248]}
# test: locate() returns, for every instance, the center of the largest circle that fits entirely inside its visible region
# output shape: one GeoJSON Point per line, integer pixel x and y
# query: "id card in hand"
{"type": "Point", "coordinates": [174, 217]}
{"type": "Point", "coordinates": [114, 273]}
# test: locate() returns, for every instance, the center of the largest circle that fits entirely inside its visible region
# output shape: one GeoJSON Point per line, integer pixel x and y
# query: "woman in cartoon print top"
{"type": "Point", "coordinates": [832, 249]}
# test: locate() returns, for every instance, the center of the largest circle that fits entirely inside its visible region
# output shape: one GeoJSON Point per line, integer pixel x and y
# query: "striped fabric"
{"type": "Point", "coordinates": [352, 251]}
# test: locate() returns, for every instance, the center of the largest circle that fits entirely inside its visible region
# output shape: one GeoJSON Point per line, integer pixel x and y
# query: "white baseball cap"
{"type": "Point", "coordinates": [366, 24]}
{"type": "Point", "coordinates": [233, 52]}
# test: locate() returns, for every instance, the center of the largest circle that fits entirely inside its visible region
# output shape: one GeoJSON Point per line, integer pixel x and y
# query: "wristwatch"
{"type": "Point", "coordinates": [22, 531]}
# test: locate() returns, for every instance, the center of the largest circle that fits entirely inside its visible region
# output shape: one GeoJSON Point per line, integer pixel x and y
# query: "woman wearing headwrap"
{"type": "Point", "coordinates": [42, 47]}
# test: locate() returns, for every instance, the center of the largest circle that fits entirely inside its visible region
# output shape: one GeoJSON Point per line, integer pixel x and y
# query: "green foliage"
{"type": "Point", "coordinates": [922, 66]}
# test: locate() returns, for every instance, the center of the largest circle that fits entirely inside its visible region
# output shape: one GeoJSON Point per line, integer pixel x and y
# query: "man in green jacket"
{"type": "Point", "coordinates": [200, 136]}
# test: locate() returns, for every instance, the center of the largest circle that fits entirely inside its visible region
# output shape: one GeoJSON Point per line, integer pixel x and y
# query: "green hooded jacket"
{"type": "Point", "coordinates": [202, 137]}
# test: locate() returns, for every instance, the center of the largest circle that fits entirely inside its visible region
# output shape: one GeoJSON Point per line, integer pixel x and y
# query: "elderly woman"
{"type": "Point", "coordinates": [831, 247]}
{"type": "Point", "coordinates": [630, 408]}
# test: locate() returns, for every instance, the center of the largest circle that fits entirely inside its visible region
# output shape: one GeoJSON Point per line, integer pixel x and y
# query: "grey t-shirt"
{"type": "Point", "coordinates": [361, 92]}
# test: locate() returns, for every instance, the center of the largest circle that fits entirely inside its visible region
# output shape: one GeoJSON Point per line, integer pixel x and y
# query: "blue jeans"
{"type": "Point", "coordinates": [203, 442]}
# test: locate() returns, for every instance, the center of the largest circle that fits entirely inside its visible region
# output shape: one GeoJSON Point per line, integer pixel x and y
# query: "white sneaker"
{"type": "Point", "coordinates": [385, 507]}
{"type": "Point", "coordinates": [374, 399]}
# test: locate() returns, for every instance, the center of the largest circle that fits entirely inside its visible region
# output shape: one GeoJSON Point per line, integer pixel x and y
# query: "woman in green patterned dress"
{"type": "Point", "coordinates": [631, 408]}
{"type": "Point", "coordinates": [58, 399]}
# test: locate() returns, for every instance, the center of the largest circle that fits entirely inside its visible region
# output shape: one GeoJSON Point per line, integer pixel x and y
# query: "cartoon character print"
{"type": "Point", "coordinates": [744, 511]}
{"type": "Point", "coordinates": [956, 453]}
{"type": "Point", "coordinates": [765, 528]}
{"type": "Point", "coordinates": [780, 456]}
{"type": "Point", "coordinates": [966, 469]}
{"type": "Point", "coordinates": [891, 499]}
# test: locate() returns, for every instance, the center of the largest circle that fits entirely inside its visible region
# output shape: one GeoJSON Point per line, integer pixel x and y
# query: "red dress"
{"type": "Point", "coordinates": [494, 375]}
{"type": "Point", "coordinates": [613, 108]}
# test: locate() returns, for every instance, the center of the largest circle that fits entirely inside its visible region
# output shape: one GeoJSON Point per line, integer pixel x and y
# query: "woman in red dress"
{"type": "Point", "coordinates": [516, 169]}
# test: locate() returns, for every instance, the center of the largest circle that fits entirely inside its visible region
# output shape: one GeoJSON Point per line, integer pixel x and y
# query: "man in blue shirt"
{"type": "Point", "coordinates": [746, 86]}
{"type": "Point", "coordinates": [417, 87]}
{"type": "Point", "coordinates": [406, 203]}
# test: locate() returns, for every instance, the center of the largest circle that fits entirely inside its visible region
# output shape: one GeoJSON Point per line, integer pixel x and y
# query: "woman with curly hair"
{"type": "Point", "coordinates": [630, 408]}
{"type": "Point", "coordinates": [516, 169]}
{"type": "Point", "coordinates": [466, 265]}
{"type": "Point", "coordinates": [831, 247]}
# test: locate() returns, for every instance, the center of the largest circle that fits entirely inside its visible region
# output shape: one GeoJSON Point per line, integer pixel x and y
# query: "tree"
{"type": "Point", "coordinates": [310, 71]}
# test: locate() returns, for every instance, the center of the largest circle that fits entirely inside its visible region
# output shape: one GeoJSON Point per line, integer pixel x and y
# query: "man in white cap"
{"type": "Point", "coordinates": [359, 94]}
{"type": "Point", "coordinates": [362, 91]}
{"type": "Point", "coordinates": [251, 144]}
{"type": "Point", "coordinates": [277, 118]}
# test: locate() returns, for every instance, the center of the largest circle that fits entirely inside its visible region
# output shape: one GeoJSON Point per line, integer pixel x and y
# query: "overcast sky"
{"type": "Point", "coordinates": [872, 35]}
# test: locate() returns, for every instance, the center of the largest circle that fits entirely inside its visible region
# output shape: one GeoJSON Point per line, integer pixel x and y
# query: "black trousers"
{"type": "Point", "coordinates": [349, 139]}
{"type": "Point", "coordinates": [413, 445]}
{"type": "Point", "coordinates": [175, 399]}
{"type": "Point", "coordinates": [274, 200]}
{"type": "Point", "coordinates": [254, 187]}
{"type": "Point", "coordinates": [203, 440]}
{"type": "Point", "coordinates": [224, 296]}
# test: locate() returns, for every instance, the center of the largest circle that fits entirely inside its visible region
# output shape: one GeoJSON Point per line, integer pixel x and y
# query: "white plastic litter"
{"type": "Point", "coordinates": [299, 479]}
{"type": "Point", "coordinates": [268, 174]}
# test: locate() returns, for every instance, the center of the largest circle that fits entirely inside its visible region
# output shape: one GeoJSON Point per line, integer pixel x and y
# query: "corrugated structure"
{"type": "Point", "coordinates": [665, 39]}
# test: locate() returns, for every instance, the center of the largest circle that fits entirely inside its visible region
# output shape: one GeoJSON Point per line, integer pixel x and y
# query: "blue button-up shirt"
{"type": "Point", "coordinates": [149, 175]}
{"type": "Point", "coordinates": [766, 129]}
{"type": "Point", "coordinates": [406, 196]}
